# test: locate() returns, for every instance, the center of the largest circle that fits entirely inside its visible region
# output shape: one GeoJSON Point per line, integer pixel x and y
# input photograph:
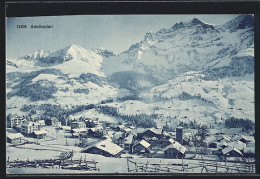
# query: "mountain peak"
{"type": "Point", "coordinates": [196, 21]}
{"type": "Point", "coordinates": [240, 22]}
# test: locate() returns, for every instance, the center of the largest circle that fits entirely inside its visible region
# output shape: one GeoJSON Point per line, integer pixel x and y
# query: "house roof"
{"type": "Point", "coordinates": [144, 143]}
{"type": "Point", "coordinates": [79, 130]}
{"type": "Point", "coordinates": [40, 132]}
{"type": "Point", "coordinates": [229, 149]}
{"type": "Point", "coordinates": [13, 135]}
{"type": "Point", "coordinates": [176, 145]}
{"type": "Point", "coordinates": [224, 137]}
{"type": "Point", "coordinates": [156, 131]}
{"type": "Point", "coordinates": [171, 140]}
{"type": "Point", "coordinates": [243, 137]}
{"type": "Point", "coordinates": [127, 129]}
{"type": "Point", "coordinates": [29, 123]}
{"type": "Point", "coordinates": [42, 122]}
{"type": "Point", "coordinates": [66, 127]}
{"type": "Point", "coordinates": [107, 146]}
{"type": "Point", "coordinates": [121, 126]}
{"type": "Point", "coordinates": [238, 144]}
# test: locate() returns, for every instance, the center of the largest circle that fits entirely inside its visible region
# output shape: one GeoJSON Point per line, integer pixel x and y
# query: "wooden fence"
{"type": "Point", "coordinates": [195, 166]}
{"type": "Point", "coordinates": [62, 163]}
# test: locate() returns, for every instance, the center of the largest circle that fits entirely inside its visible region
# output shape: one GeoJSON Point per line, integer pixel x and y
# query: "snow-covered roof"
{"type": "Point", "coordinates": [171, 140]}
{"type": "Point", "coordinates": [229, 149]}
{"type": "Point", "coordinates": [79, 130]}
{"type": "Point", "coordinates": [121, 126]}
{"type": "Point", "coordinates": [29, 123]}
{"type": "Point", "coordinates": [66, 127]}
{"type": "Point", "coordinates": [210, 139]}
{"type": "Point", "coordinates": [238, 144]}
{"type": "Point", "coordinates": [13, 135]}
{"type": "Point", "coordinates": [140, 130]}
{"type": "Point", "coordinates": [41, 122]}
{"type": "Point", "coordinates": [176, 145]}
{"type": "Point", "coordinates": [107, 146]}
{"type": "Point", "coordinates": [127, 129]}
{"type": "Point", "coordinates": [243, 137]}
{"type": "Point", "coordinates": [224, 137]}
{"type": "Point", "coordinates": [40, 132]}
{"type": "Point", "coordinates": [156, 131]}
{"type": "Point", "coordinates": [144, 143]}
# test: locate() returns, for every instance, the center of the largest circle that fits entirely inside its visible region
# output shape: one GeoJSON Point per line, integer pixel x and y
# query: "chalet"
{"type": "Point", "coordinates": [41, 123]}
{"type": "Point", "coordinates": [153, 132]}
{"type": "Point", "coordinates": [90, 123]}
{"type": "Point", "coordinates": [231, 152]}
{"type": "Point", "coordinates": [75, 125]}
{"type": "Point", "coordinates": [15, 121]}
{"type": "Point", "coordinates": [174, 150]}
{"type": "Point", "coordinates": [76, 132]}
{"type": "Point", "coordinates": [120, 127]}
{"type": "Point", "coordinates": [39, 134]}
{"type": "Point", "coordinates": [95, 132]}
{"type": "Point", "coordinates": [141, 147]}
{"type": "Point", "coordinates": [105, 148]}
{"type": "Point", "coordinates": [128, 143]}
{"type": "Point", "coordinates": [29, 127]}
{"type": "Point", "coordinates": [238, 145]}
{"type": "Point", "coordinates": [244, 139]}
{"type": "Point", "coordinates": [14, 138]}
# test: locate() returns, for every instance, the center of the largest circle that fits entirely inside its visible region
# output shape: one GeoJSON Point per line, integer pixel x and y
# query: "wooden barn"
{"type": "Point", "coordinates": [39, 134]}
{"type": "Point", "coordinates": [174, 150]}
{"type": "Point", "coordinates": [153, 132]}
{"type": "Point", "coordinates": [14, 138]}
{"type": "Point", "coordinates": [141, 147]}
{"type": "Point", "coordinates": [231, 152]}
{"type": "Point", "coordinates": [105, 148]}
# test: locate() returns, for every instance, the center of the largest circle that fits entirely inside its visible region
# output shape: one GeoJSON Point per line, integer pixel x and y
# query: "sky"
{"type": "Point", "coordinates": [113, 32]}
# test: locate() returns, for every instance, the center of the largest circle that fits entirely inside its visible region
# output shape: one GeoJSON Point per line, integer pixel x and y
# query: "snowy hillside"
{"type": "Point", "coordinates": [189, 71]}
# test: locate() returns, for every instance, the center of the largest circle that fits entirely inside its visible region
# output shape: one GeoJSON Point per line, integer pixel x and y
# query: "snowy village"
{"type": "Point", "coordinates": [180, 100]}
{"type": "Point", "coordinates": [71, 147]}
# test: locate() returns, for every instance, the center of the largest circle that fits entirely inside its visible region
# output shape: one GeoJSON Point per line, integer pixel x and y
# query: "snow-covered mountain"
{"type": "Point", "coordinates": [190, 70]}
{"type": "Point", "coordinates": [186, 46]}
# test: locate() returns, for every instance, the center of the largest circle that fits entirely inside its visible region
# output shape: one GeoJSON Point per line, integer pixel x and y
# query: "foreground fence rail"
{"type": "Point", "coordinates": [191, 166]}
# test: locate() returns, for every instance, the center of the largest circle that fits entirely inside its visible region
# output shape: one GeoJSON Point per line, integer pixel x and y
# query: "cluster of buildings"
{"type": "Point", "coordinates": [113, 140]}
{"type": "Point", "coordinates": [28, 128]}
